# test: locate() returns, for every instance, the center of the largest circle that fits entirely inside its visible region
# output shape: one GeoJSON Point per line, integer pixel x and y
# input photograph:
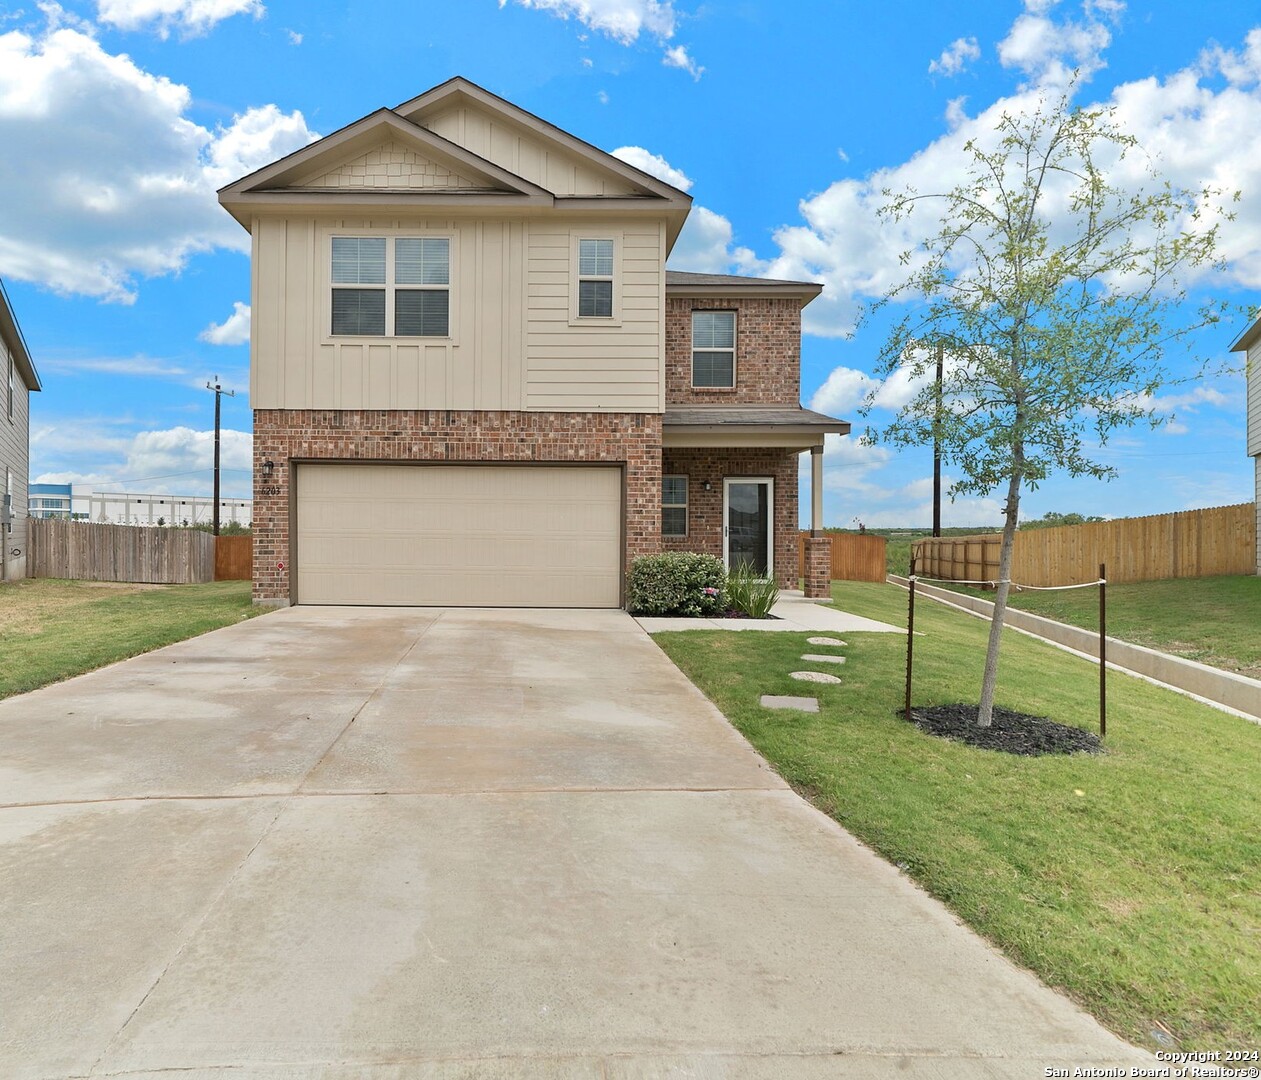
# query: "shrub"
{"type": "Point", "coordinates": [676, 583]}
{"type": "Point", "coordinates": [750, 593]}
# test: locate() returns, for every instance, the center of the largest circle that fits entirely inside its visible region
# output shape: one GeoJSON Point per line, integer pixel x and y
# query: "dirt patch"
{"type": "Point", "coordinates": [1009, 733]}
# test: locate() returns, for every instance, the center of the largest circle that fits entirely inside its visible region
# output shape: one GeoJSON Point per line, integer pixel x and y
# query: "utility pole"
{"type": "Point", "coordinates": [941, 349]}
{"type": "Point", "coordinates": [219, 392]}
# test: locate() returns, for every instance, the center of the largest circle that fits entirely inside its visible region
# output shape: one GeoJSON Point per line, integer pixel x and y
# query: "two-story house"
{"type": "Point", "coordinates": [474, 381]}
{"type": "Point", "coordinates": [19, 378]}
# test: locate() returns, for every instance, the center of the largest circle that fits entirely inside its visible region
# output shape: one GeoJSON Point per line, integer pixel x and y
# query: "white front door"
{"type": "Point", "coordinates": [748, 523]}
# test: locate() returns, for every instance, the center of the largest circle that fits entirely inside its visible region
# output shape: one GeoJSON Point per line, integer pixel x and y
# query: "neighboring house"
{"type": "Point", "coordinates": [19, 379]}
{"type": "Point", "coordinates": [474, 381]}
{"type": "Point", "coordinates": [1249, 342]}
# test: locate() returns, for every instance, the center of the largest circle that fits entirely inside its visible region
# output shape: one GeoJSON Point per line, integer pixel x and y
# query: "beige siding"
{"type": "Point", "coordinates": [297, 364]}
{"type": "Point", "coordinates": [514, 149]}
{"type": "Point", "coordinates": [390, 165]}
{"type": "Point", "coordinates": [15, 458]}
{"type": "Point", "coordinates": [513, 345]}
{"type": "Point", "coordinates": [572, 365]}
{"type": "Point", "coordinates": [501, 536]}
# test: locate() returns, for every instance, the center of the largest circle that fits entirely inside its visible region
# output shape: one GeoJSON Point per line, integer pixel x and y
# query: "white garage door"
{"type": "Point", "coordinates": [493, 535]}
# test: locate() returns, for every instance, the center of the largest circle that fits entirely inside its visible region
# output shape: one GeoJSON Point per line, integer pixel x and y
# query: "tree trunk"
{"type": "Point", "coordinates": [990, 679]}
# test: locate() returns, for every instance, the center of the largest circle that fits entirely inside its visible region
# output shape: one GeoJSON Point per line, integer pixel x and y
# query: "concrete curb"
{"type": "Point", "coordinates": [1235, 693]}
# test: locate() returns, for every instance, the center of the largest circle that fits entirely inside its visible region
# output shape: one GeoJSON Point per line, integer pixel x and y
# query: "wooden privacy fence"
{"type": "Point", "coordinates": [234, 558]}
{"type": "Point", "coordinates": [1194, 543]}
{"type": "Point", "coordinates": [854, 558]}
{"type": "Point", "coordinates": [88, 551]}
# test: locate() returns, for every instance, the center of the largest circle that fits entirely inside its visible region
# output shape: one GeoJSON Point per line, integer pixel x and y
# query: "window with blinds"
{"type": "Point", "coordinates": [713, 349]}
{"type": "Point", "coordinates": [595, 279]}
{"type": "Point", "coordinates": [391, 286]}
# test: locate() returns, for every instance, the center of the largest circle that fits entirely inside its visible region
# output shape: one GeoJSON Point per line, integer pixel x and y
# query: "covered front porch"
{"type": "Point", "coordinates": [729, 487]}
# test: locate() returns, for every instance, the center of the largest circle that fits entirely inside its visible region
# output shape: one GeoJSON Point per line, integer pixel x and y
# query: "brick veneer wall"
{"type": "Point", "coordinates": [704, 518]}
{"type": "Point", "coordinates": [282, 435]}
{"type": "Point", "coordinates": [768, 351]}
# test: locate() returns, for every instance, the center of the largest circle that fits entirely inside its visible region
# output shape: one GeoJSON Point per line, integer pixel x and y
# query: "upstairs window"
{"type": "Point", "coordinates": [595, 279]}
{"type": "Point", "coordinates": [674, 506]}
{"type": "Point", "coordinates": [391, 286]}
{"type": "Point", "coordinates": [713, 350]}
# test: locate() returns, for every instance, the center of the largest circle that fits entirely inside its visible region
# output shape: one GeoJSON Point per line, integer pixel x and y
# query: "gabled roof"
{"type": "Point", "coordinates": [458, 90]}
{"type": "Point", "coordinates": [288, 183]}
{"type": "Point", "coordinates": [11, 334]}
{"type": "Point", "coordinates": [284, 181]}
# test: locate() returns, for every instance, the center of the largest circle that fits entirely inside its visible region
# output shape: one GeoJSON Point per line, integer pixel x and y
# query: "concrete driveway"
{"type": "Point", "coordinates": [365, 843]}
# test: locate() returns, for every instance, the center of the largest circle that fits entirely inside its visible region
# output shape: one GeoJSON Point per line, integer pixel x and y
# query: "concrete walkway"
{"type": "Point", "coordinates": [792, 611]}
{"type": "Point", "coordinates": [363, 844]}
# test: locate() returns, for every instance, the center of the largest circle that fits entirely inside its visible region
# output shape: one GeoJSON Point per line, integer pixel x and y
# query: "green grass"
{"type": "Point", "coordinates": [1214, 620]}
{"type": "Point", "coordinates": [51, 630]}
{"type": "Point", "coordinates": [1131, 880]}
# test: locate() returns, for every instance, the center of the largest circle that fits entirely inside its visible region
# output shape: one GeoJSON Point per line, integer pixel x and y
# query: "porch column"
{"type": "Point", "coordinates": [818, 568]}
{"type": "Point", "coordinates": [816, 491]}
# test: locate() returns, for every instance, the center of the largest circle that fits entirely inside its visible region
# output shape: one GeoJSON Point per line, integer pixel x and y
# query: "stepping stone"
{"type": "Point", "coordinates": [816, 658]}
{"type": "Point", "coordinates": [824, 641]}
{"type": "Point", "coordinates": [801, 704]}
{"type": "Point", "coordinates": [814, 676]}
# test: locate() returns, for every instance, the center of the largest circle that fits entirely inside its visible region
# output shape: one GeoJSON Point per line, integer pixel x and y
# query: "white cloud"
{"type": "Point", "coordinates": [1049, 50]}
{"type": "Point", "coordinates": [704, 246]}
{"type": "Point", "coordinates": [125, 188]}
{"type": "Point", "coordinates": [677, 57]}
{"type": "Point", "coordinates": [190, 18]}
{"type": "Point", "coordinates": [603, 97]}
{"type": "Point", "coordinates": [145, 367]}
{"type": "Point", "coordinates": [234, 330]}
{"type": "Point", "coordinates": [622, 20]}
{"type": "Point", "coordinates": [842, 391]}
{"type": "Point", "coordinates": [175, 460]}
{"type": "Point", "coordinates": [1186, 125]}
{"type": "Point", "coordinates": [955, 57]}
{"type": "Point", "coordinates": [653, 165]}
{"type": "Point", "coordinates": [294, 37]}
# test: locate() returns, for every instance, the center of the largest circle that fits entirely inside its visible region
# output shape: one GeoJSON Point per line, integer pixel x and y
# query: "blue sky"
{"type": "Point", "coordinates": [120, 118]}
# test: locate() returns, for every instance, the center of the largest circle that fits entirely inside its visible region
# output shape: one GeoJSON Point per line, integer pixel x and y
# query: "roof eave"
{"type": "Point", "coordinates": [1248, 338]}
{"type": "Point", "coordinates": [805, 291]}
{"type": "Point", "coordinates": [16, 343]}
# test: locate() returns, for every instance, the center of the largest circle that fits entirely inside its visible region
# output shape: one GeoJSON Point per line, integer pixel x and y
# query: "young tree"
{"type": "Point", "coordinates": [1054, 296]}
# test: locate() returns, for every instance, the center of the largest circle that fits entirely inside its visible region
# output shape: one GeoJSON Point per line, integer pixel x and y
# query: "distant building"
{"type": "Point", "coordinates": [51, 501]}
{"type": "Point", "coordinates": [131, 508]}
{"type": "Point", "coordinates": [80, 503]}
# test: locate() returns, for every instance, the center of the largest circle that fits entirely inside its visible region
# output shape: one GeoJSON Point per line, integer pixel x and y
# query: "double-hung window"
{"type": "Point", "coordinates": [714, 350]}
{"type": "Point", "coordinates": [595, 279]}
{"type": "Point", "coordinates": [674, 506]}
{"type": "Point", "coordinates": [397, 286]}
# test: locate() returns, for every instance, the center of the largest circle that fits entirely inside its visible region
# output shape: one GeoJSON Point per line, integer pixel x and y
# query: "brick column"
{"type": "Point", "coordinates": [818, 574]}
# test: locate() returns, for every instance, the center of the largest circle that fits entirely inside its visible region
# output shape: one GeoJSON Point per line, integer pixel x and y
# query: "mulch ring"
{"type": "Point", "coordinates": [1010, 732]}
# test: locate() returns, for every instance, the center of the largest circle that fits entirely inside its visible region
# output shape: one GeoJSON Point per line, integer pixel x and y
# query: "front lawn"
{"type": "Point", "coordinates": [1130, 880]}
{"type": "Point", "coordinates": [1214, 620]}
{"type": "Point", "coordinates": [51, 630]}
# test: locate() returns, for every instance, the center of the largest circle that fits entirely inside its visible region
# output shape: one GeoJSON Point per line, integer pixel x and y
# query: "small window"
{"type": "Point", "coordinates": [714, 349]}
{"type": "Point", "coordinates": [399, 287]}
{"type": "Point", "coordinates": [595, 279]}
{"type": "Point", "coordinates": [674, 506]}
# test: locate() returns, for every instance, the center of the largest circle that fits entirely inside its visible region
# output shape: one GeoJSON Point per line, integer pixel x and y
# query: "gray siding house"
{"type": "Point", "coordinates": [19, 379]}
{"type": "Point", "coordinates": [1249, 342]}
